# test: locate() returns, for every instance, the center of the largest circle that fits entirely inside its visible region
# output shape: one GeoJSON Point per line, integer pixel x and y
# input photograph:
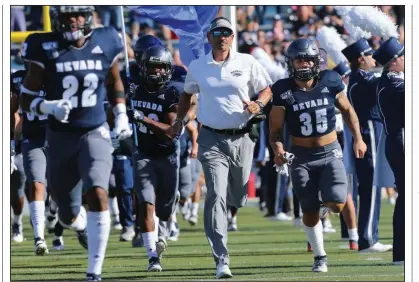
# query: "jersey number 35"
{"type": "Point", "coordinates": [321, 122]}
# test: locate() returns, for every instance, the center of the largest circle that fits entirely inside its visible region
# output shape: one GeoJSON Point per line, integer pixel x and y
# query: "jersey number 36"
{"type": "Point", "coordinates": [321, 122]}
{"type": "Point", "coordinates": [88, 96]}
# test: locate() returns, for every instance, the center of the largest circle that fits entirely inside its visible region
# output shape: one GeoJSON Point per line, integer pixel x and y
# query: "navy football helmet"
{"type": "Point", "coordinates": [143, 43]}
{"type": "Point", "coordinates": [303, 48]}
{"type": "Point", "coordinates": [60, 21]}
{"type": "Point", "coordinates": [156, 65]}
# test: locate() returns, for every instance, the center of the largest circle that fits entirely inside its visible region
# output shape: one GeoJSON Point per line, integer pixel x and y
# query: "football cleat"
{"type": "Point", "coordinates": [320, 264]}
{"type": "Point", "coordinates": [40, 247]}
{"type": "Point", "coordinates": [17, 233]}
{"type": "Point", "coordinates": [58, 243]}
{"type": "Point", "coordinates": [154, 265]}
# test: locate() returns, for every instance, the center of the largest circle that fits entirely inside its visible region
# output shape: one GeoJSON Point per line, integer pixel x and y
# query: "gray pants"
{"type": "Point", "coordinates": [156, 182]}
{"type": "Point", "coordinates": [18, 179]}
{"type": "Point", "coordinates": [34, 160]}
{"type": "Point", "coordinates": [227, 162]}
{"type": "Point", "coordinates": [77, 162]}
{"type": "Point", "coordinates": [185, 178]}
{"type": "Point", "coordinates": [317, 170]}
{"type": "Point", "coordinates": [196, 169]}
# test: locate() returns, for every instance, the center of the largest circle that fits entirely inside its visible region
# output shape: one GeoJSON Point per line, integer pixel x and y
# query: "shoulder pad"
{"type": "Point", "coordinates": [330, 77]}
{"type": "Point", "coordinates": [281, 85]}
{"type": "Point", "coordinates": [179, 73]}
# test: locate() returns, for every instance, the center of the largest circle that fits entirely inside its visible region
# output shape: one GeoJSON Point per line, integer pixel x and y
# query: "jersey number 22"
{"type": "Point", "coordinates": [88, 97]}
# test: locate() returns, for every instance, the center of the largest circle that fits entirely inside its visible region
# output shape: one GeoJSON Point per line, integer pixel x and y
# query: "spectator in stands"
{"type": "Point", "coordinates": [110, 14]}
{"type": "Point", "coordinates": [240, 19]}
{"type": "Point", "coordinates": [390, 12]}
{"type": "Point", "coordinates": [17, 18]}
{"type": "Point", "coordinates": [278, 29]}
{"type": "Point", "coordinates": [35, 18]}
{"type": "Point", "coordinates": [330, 17]}
{"type": "Point", "coordinates": [304, 25]}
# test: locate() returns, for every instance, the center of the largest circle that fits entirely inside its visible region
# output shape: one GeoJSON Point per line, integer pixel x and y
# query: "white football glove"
{"type": "Point", "coordinates": [60, 109]}
{"type": "Point", "coordinates": [122, 128]}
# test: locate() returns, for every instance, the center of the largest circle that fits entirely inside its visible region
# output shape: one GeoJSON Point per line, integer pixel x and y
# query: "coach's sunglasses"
{"type": "Point", "coordinates": [219, 33]}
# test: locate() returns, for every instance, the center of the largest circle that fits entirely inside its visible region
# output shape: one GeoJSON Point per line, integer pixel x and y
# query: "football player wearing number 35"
{"type": "Point", "coordinates": [76, 64]}
{"type": "Point", "coordinates": [306, 101]}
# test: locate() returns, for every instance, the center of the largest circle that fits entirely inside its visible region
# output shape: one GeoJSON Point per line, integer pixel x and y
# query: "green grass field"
{"type": "Point", "coordinates": [261, 250]}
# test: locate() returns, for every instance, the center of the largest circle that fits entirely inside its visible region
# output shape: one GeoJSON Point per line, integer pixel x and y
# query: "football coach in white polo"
{"type": "Point", "coordinates": [226, 82]}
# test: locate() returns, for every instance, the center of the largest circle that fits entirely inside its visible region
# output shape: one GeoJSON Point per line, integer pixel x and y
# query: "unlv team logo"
{"type": "Point", "coordinates": [288, 97]}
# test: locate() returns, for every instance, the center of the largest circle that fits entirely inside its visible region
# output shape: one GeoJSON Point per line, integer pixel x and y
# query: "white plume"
{"type": "Point", "coordinates": [355, 32]}
{"type": "Point", "coordinates": [330, 40]}
{"type": "Point", "coordinates": [343, 10]}
{"type": "Point", "coordinates": [373, 20]}
{"type": "Point", "coordinates": [351, 25]}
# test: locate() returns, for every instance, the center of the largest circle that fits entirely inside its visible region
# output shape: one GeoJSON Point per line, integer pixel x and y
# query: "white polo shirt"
{"type": "Point", "coordinates": [223, 86]}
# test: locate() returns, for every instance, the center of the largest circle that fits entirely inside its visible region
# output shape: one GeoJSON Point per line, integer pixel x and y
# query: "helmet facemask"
{"type": "Point", "coordinates": [72, 31]}
{"type": "Point", "coordinates": [304, 74]}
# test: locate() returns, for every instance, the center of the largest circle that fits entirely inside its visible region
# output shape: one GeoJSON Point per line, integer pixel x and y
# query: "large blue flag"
{"type": "Point", "coordinates": [190, 23]}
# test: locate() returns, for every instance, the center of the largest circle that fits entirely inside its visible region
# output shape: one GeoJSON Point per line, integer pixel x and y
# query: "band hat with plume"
{"type": "Point", "coordinates": [351, 27]}
{"type": "Point", "coordinates": [330, 40]}
{"type": "Point", "coordinates": [373, 20]}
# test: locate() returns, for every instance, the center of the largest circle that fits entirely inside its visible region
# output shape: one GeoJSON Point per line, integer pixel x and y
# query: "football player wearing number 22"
{"type": "Point", "coordinates": [76, 64]}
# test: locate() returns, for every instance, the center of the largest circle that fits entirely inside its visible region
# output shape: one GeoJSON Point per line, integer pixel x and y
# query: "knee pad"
{"type": "Point", "coordinates": [65, 218]}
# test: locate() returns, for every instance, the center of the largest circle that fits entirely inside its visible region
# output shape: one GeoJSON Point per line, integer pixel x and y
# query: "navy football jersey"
{"type": "Point", "coordinates": [362, 89]}
{"type": "Point", "coordinates": [76, 74]}
{"type": "Point", "coordinates": [309, 113]}
{"type": "Point", "coordinates": [156, 106]}
{"type": "Point", "coordinates": [33, 126]}
{"type": "Point", "coordinates": [391, 97]}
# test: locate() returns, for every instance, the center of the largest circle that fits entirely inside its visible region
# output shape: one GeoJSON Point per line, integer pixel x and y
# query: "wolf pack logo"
{"type": "Point", "coordinates": [287, 96]}
{"type": "Point", "coordinates": [132, 88]}
{"type": "Point", "coordinates": [337, 153]}
{"type": "Point", "coordinates": [237, 73]}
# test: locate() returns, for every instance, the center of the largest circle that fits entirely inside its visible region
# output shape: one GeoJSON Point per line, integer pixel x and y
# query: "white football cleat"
{"type": "Point", "coordinates": [40, 247]}
{"type": "Point", "coordinates": [117, 225]}
{"type": "Point", "coordinates": [320, 264]}
{"type": "Point", "coordinates": [193, 220]}
{"type": "Point", "coordinates": [127, 234]}
{"type": "Point", "coordinates": [17, 233]}
{"type": "Point", "coordinates": [174, 232]}
{"type": "Point", "coordinates": [154, 265]}
{"type": "Point", "coordinates": [223, 271]}
{"type": "Point", "coordinates": [281, 217]}
{"type": "Point", "coordinates": [398, 262]}
{"type": "Point", "coordinates": [58, 243]}
{"type": "Point", "coordinates": [377, 248]}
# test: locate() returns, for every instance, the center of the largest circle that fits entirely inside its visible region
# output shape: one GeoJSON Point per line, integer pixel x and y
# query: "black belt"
{"type": "Point", "coordinates": [228, 131]}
